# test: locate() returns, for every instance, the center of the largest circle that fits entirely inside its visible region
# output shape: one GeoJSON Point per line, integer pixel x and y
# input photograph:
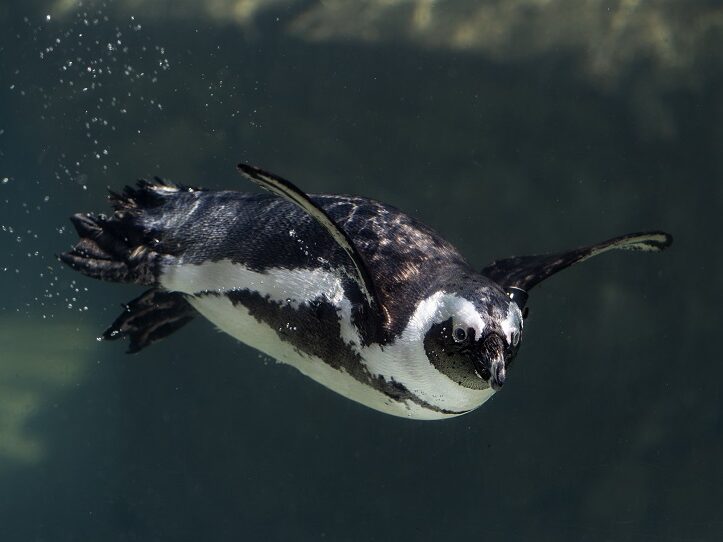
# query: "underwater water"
{"type": "Point", "coordinates": [511, 127]}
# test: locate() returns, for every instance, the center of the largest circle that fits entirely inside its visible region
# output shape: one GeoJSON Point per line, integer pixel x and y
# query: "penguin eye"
{"type": "Point", "coordinates": [459, 334]}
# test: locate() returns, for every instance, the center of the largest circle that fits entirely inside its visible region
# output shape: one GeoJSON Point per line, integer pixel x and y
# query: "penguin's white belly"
{"type": "Point", "coordinates": [237, 322]}
{"type": "Point", "coordinates": [430, 394]}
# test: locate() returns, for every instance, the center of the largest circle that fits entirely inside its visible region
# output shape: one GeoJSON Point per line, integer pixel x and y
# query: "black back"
{"type": "Point", "coordinates": [406, 259]}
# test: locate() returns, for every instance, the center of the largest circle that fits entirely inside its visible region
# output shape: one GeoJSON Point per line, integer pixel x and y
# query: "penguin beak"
{"type": "Point", "coordinates": [492, 361]}
{"type": "Point", "coordinates": [498, 374]}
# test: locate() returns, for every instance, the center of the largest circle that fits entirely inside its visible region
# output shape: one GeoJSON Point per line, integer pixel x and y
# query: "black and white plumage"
{"type": "Point", "coordinates": [354, 293]}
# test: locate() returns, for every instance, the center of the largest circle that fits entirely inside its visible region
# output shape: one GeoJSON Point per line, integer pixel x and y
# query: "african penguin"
{"type": "Point", "coordinates": [352, 292]}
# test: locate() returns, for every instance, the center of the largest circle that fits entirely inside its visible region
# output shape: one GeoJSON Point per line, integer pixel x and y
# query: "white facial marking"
{"type": "Point", "coordinates": [512, 322]}
{"type": "Point", "coordinates": [464, 314]}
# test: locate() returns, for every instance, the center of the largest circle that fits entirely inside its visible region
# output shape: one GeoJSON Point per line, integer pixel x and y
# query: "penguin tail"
{"type": "Point", "coordinates": [107, 251]}
{"type": "Point", "coordinates": [126, 247]}
{"type": "Point", "coordinates": [120, 248]}
{"type": "Point", "coordinates": [111, 249]}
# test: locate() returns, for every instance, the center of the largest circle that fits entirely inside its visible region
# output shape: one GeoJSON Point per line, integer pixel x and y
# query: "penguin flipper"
{"type": "Point", "coordinates": [150, 317]}
{"type": "Point", "coordinates": [527, 271]}
{"type": "Point", "coordinates": [287, 190]}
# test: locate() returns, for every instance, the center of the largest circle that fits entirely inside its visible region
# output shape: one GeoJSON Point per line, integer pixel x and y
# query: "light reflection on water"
{"type": "Point", "coordinates": [40, 362]}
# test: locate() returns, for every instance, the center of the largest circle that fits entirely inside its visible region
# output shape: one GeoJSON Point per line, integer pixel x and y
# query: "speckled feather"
{"type": "Point", "coordinates": [405, 258]}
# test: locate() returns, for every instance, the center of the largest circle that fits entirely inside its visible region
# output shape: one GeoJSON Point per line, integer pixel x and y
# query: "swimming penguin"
{"type": "Point", "coordinates": [352, 292]}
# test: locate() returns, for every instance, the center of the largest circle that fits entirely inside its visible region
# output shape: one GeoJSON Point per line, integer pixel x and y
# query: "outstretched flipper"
{"type": "Point", "coordinates": [152, 316]}
{"type": "Point", "coordinates": [524, 272]}
{"type": "Point", "coordinates": [288, 191]}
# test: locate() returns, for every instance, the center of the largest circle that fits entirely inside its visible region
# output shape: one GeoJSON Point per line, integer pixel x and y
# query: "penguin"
{"type": "Point", "coordinates": [354, 293]}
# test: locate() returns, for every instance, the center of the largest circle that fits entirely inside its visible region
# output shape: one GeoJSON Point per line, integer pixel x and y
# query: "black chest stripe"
{"type": "Point", "coordinates": [314, 329]}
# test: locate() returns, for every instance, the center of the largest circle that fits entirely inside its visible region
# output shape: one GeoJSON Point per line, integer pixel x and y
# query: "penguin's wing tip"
{"type": "Point", "coordinates": [653, 241]}
{"type": "Point", "coordinates": [527, 271]}
{"type": "Point", "coordinates": [247, 169]}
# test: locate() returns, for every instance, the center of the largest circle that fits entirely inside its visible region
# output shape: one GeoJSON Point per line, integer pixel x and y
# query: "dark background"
{"type": "Point", "coordinates": [610, 425]}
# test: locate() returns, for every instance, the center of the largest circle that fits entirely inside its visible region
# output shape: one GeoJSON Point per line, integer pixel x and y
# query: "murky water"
{"type": "Point", "coordinates": [510, 127]}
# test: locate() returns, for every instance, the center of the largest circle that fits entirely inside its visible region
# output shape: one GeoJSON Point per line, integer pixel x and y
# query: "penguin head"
{"type": "Point", "coordinates": [473, 334]}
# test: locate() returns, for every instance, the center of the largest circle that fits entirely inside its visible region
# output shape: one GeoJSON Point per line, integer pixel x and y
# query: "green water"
{"type": "Point", "coordinates": [510, 127]}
